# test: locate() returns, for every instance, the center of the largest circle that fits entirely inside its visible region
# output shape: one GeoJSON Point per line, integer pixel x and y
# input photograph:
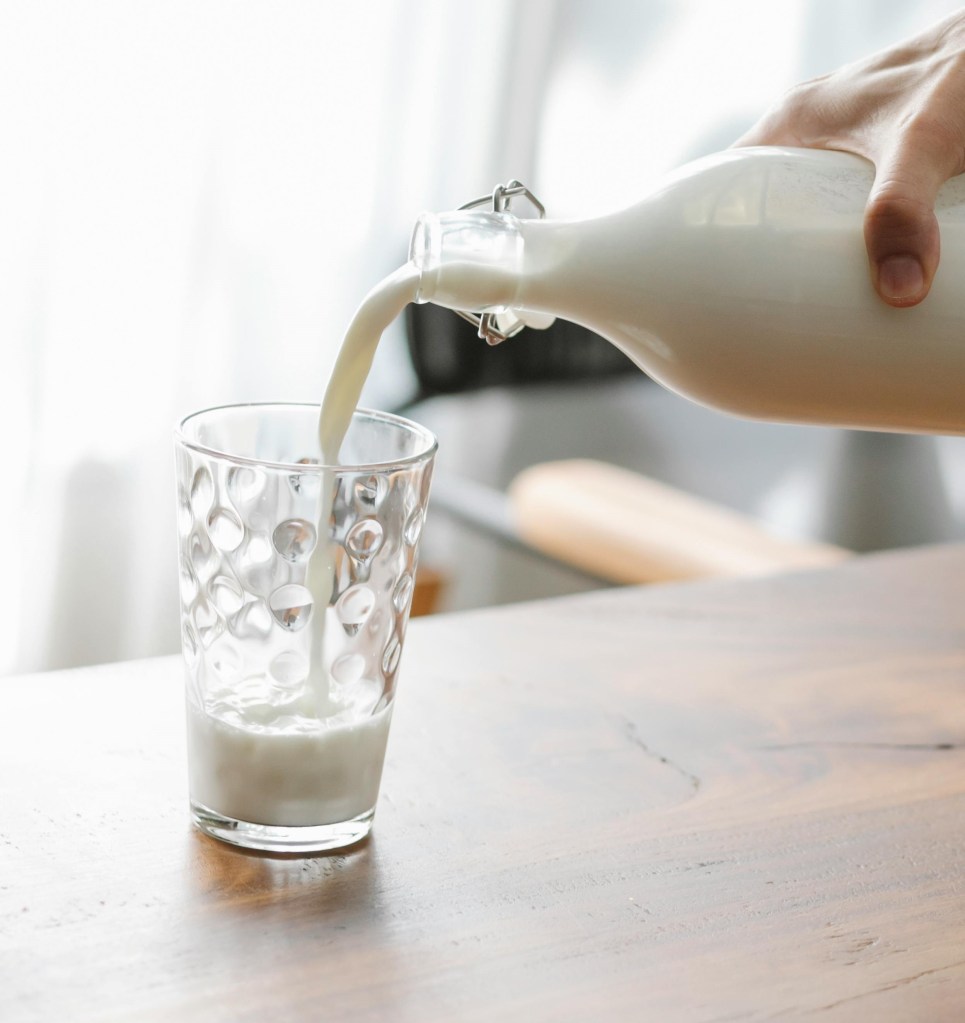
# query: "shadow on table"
{"type": "Point", "coordinates": [229, 878]}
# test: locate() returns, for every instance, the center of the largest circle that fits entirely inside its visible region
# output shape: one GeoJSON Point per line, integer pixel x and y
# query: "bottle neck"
{"type": "Point", "coordinates": [468, 261]}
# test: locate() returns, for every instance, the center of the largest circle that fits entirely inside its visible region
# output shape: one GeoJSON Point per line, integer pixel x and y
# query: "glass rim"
{"type": "Point", "coordinates": [304, 468]}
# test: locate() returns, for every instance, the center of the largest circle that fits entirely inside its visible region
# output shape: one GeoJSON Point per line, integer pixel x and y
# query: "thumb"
{"type": "Point", "coordinates": [900, 227]}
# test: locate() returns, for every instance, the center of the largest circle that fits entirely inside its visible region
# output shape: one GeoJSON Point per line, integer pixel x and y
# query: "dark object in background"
{"type": "Point", "coordinates": [449, 357]}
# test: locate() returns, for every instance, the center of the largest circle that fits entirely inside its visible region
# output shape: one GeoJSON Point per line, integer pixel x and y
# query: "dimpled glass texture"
{"type": "Point", "coordinates": [249, 493]}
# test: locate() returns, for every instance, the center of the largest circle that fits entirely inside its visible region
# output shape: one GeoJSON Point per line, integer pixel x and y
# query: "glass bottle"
{"type": "Point", "coordinates": [741, 282]}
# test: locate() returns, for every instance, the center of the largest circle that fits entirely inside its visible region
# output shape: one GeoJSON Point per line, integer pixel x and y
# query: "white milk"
{"type": "Point", "coordinates": [379, 308]}
{"type": "Point", "coordinates": [314, 756]}
{"type": "Point", "coordinates": [284, 770]}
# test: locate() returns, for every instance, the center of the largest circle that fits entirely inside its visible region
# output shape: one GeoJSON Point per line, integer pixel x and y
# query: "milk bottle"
{"type": "Point", "coordinates": [740, 282]}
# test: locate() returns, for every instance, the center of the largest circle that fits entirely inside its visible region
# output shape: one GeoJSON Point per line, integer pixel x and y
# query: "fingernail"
{"type": "Point", "coordinates": [900, 278]}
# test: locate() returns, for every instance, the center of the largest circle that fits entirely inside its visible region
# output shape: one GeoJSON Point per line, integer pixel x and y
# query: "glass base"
{"type": "Point", "coordinates": [304, 841]}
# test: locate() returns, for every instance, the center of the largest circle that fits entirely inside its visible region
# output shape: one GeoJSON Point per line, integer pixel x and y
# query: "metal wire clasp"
{"type": "Point", "coordinates": [508, 325]}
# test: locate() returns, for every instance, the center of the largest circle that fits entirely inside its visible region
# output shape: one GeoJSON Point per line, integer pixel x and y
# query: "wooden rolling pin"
{"type": "Point", "coordinates": [626, 528]}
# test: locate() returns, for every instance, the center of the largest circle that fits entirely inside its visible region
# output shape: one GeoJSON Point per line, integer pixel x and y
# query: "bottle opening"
{"type": "Point", "coordinates": [467, 261]}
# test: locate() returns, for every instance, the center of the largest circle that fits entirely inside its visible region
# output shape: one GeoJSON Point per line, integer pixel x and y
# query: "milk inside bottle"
{"type": "Point", "coordinates": [740, 281]}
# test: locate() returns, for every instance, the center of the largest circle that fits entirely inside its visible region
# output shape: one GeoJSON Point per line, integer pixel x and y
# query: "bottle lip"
{"type": "Point", "coordinates": [445, 247]}
{"type": "Point", "coordinates": [425, 245]}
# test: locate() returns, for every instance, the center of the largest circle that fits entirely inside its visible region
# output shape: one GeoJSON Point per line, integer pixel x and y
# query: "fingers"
{"type": "Point", "coordinates": [911, 165]}
{"type": "Point", "coordinates": [904, 110]}
{"type": "Point", "coordinates": [900, 228]}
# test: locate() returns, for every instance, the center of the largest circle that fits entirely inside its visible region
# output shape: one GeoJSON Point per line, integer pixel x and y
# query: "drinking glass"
{"type": "Point", "coordinates": [296, 580]}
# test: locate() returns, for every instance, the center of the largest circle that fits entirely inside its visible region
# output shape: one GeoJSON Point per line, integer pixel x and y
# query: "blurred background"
{"type": "Point", "coordinates": [194, 197]}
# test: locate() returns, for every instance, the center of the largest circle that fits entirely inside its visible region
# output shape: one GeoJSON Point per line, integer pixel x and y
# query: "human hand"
{"type": "Point", "coordinates": [904, 110]}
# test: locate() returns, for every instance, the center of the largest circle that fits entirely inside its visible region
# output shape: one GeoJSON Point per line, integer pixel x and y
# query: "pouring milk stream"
{"type": "Point", "coordinates": [740, 282]}
{"type": "Point", "coordinates": [318, 751]}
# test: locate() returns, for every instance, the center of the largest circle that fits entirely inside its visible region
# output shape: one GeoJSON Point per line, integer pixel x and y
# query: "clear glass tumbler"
{"type": "Point", "coordinates": [296, 580]}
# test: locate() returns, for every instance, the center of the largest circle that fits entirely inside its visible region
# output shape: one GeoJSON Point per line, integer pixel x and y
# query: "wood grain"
{"type": "Point", "coordinates": [733, 800]}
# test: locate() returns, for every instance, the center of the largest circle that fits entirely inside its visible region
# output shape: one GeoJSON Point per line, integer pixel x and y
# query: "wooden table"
{"type": "Point", "coordinates": [720, 801]}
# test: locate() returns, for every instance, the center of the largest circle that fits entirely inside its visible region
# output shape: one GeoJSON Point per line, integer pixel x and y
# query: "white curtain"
{"type": "Point", "coordinates": [193, 198]}
{"type": "Point", "coordinates": [195, 195]}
